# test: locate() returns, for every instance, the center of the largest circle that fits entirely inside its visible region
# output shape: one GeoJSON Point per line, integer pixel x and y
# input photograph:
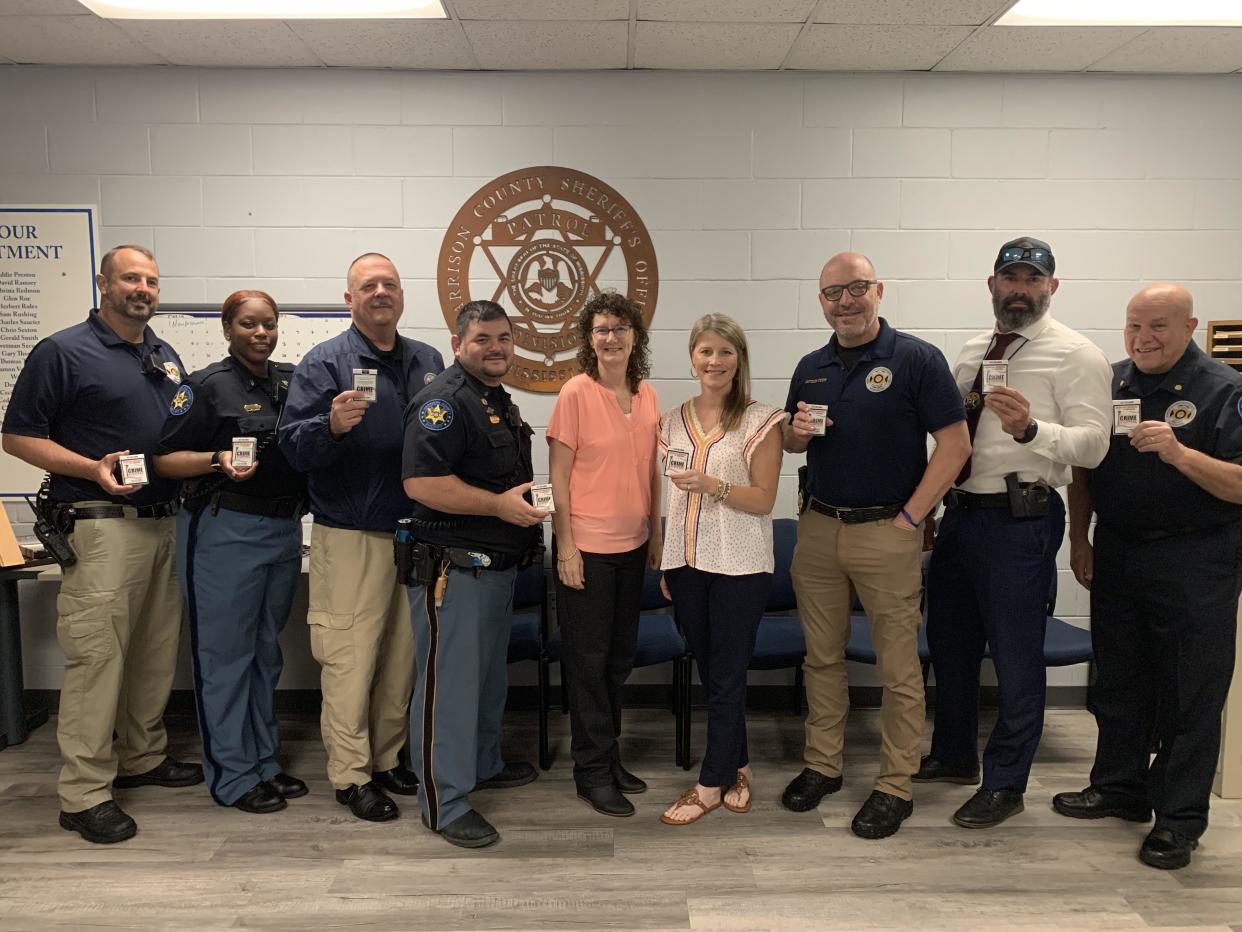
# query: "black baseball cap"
{"type": "Point", "coordinates": [1026, 250]}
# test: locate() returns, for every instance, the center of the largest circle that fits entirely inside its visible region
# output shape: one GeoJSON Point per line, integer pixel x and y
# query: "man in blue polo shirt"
{"type": "Point", "coordinates": [869, 487]}
{"type": "Point", "coordinates": [86, 397]}
{"type": "Point", "coordinates": [344, 425]}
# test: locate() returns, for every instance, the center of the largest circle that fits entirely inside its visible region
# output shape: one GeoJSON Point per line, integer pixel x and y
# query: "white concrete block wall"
{"type": "Point", "coordinates": [275, 179]}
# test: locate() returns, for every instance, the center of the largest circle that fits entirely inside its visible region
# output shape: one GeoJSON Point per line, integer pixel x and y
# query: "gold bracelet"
{"type": "Point", "coordinates": [568, 558]}
{"type": "Point", "coordinates": [728, 488]}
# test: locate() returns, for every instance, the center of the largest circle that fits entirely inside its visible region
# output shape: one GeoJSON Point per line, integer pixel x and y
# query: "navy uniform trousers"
{"type": "Point", "coordinates": [462, 651]}
{"type": "Point", "coordinates": [1163, 627]}
{"type": "Point", "coordinates": [238, 573]}
{"type": "Point", "coordinates": [987, 585]}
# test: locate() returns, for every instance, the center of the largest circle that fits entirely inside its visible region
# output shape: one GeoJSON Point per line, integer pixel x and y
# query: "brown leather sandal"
{"type": "Point", "coordinates": [741, 785]}
{"type": "Point", "coordinates": [689, 798]}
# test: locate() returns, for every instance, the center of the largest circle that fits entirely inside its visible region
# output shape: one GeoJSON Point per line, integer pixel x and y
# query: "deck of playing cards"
{"type": "Point", "coordinates": [243, 452]}
{"type": "Point", "coordinates": [133, 469]}
{"type": "Point", "coordinates": [541, 497]}
{"type": "Point", "coordinates": [995, 374]}
{"type": "Point", "coordinates": [1126, 415]}
{"type": "Point", "coordinates": [819, 418]}
{"type": "Point", "coordinates": [676, 461]}
{"type": "Point", "coordinates": [364, 383]}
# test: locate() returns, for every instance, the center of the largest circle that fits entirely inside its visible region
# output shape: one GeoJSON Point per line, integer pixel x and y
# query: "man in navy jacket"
{"type": "Point", "coordinates": [343, 425]}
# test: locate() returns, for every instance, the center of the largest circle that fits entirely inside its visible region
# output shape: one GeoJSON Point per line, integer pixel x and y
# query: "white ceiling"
{"type": "Point", "coordinates": [537, 35]}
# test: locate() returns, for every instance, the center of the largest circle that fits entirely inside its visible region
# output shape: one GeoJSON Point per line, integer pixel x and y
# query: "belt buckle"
{"type": "Point", "coordinates": [129, 511]}
{"type": "Point", "coordinates": [479, 559]}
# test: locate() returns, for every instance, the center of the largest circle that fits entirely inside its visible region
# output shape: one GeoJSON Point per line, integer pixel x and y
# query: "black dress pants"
{"type": "Point", "coordinates": [599, 632]}
{"type": "Point", "coordinates": [1163, 628]}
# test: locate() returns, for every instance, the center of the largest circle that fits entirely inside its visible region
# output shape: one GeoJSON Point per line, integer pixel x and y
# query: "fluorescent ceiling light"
{"type": "Point", "coordinates": [266, 9]}
{"type": "Point", "coordinates": [1123, 13]}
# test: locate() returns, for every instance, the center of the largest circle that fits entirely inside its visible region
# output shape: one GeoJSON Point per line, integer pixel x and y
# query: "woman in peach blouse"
{"type": "Point", "coordinates": [602, 461]}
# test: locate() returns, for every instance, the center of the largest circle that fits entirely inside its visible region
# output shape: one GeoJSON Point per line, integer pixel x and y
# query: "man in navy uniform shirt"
{"type": "Point", "coordinates": [869, 489]}
{"type": "Point", "coordinates": [1164, 575]}
{"type": "Point", "coordinates": [467, 465]}
{"type": "Point", "coordinates": [87, 396]}
{"type": "Point", "coordinates": [358, 613]}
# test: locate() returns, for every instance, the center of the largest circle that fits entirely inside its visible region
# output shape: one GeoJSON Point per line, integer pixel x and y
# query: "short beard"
{"type": "Point", "coordinates": [1015, 315]}
{"type": "Point", "coordinates": [127, 310]}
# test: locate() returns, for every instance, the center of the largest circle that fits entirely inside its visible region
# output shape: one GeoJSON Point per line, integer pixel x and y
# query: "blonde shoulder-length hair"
{"type": "Point", "coordinates": [728, 329]}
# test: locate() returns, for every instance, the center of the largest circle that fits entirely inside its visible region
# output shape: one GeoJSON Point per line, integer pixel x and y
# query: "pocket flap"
{"type": "Point", "coordinates": [339, 622]}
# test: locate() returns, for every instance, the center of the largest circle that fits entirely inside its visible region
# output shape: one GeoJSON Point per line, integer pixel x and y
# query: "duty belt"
{"type": "Point", "coordinates": [158, 510]}
{"type": "Point", "coordinates": [856, 515]}
{"type": "Point", "coordinates": [975, 500]}
{"type": "Point", "coordinates": [264, 507]}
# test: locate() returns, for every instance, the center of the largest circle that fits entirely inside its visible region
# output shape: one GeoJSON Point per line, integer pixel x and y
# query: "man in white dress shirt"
{"type": "Point", "coordinates": [1038, 397]}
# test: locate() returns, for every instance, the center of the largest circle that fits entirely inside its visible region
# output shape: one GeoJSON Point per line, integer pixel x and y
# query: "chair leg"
{"type": "Point", "coordinates": [687, 692]}
{"type": "Point", "coordinates": [797, 689]}
{"type": "Point", "coordinates": [545, 751]}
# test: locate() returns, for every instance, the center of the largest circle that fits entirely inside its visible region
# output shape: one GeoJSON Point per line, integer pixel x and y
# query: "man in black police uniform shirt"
{"type": "Point", "coordinates": [1164, 578]}
{"type": "Point", "coordinates": [86, 396]}
{"type": "Point", "coordinates": [467, 465]}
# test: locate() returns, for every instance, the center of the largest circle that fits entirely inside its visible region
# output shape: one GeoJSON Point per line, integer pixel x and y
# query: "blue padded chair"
{"type": "Point", "coordinates": [779, 642]}
{"type": "Point", "coordinates": [659, 641]}
{"type": "Point", "coordinates": [527, 627]}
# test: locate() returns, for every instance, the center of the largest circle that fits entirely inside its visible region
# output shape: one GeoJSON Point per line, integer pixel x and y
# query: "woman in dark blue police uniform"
{"type": "Point", "coordinates": [239, 542]}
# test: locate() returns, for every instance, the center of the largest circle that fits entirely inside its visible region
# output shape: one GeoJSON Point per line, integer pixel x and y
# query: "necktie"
{"type": "Point", "coordinates": [974, 398]}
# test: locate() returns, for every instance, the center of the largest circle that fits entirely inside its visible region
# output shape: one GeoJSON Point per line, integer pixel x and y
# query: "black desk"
{"type": "Point", "coordinates": [16, 721]}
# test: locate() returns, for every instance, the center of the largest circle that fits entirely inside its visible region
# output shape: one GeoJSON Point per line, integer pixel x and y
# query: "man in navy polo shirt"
{"type": "Point", "coordinates": [346, 430]}
{"type": "Point", "coordinates": [87, 396]}
{"type": "Point", "coordinates": [869, 487]}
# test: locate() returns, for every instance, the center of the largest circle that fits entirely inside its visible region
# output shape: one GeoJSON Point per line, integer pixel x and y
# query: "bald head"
{"type": "Point", "coordinates": [1160, 323]}
{"type": "Point", "coordinates": [846, 267]}
{"type": "Point", "coordinates": [855, 317]}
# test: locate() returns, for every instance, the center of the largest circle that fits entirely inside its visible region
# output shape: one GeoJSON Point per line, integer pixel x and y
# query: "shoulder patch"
{"type": "Point", "coordinates": [182, 401]}
{"type": "Point", "coordinates": [1240, 406]}
{"type": "Point", "coordinates": [436, 414]}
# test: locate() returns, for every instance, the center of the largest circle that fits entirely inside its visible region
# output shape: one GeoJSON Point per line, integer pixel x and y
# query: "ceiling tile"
{"type": "Point", "coordinates": [726, 11]}
{"type": "Point", "coordinates": [1036, 48]}
{"type": "Point", "coordinates": [713, 46]}
{"type": "Point", "coordinates": [553, 46]}
{"type": "Point", "coordinates": [214, 42]}
{"type": "Point", "coordinates": [43, 8]}
{"type": "Point", "coordinates": [586, 10]}
{"type": "Point", "coordinates": [70, 40]}
{"type": "Point", "coordinates": [910, 12]}
{"type": "Point", "coordinates": [1178, 48]}
{"type": "Point", "coordinates": [874, 48]}
{"type": "Point", "coordinates": [406, 43]}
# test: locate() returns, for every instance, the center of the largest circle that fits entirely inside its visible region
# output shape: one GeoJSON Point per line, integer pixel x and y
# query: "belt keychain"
{"type": "Point", "coordinates": [442, 583]}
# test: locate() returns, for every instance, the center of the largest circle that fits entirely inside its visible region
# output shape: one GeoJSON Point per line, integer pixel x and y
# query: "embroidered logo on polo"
{"type": "Point", "coordinates": [879, 378]}
{"type": "Point", "coordinates": [173, 372]}
{"type": "Point", "coordinates": [1180, 413]}
{"type": "Point", "coordinates": [436, 414]}
{"type": "Point", "coordinates": [181, 401]}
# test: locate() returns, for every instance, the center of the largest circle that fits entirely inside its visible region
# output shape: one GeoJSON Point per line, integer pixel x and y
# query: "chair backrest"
{"type": "Point", "coordinates": [529, 588]}
{"type": "Point", "coordinates": [653, 598]}
{"type": "Point", "coordinates": [784, 537]}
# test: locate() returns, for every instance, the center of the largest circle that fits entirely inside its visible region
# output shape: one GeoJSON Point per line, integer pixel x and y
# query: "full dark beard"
{"type": "Point", "coordinates": [1015, 314]}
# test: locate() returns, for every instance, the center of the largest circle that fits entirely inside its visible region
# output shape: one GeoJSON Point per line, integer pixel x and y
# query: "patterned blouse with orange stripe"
{"type": "Point", "coordinates": [701, 532]}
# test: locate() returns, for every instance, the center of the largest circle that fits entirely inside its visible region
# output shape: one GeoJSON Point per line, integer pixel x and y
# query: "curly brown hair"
{"type": "Point", "coordinates": [612, 304]}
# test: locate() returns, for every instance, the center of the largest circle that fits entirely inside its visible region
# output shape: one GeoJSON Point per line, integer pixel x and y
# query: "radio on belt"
{"type": "Point", "coordinates": [243, 452]}
{"type": "Point", "coordinates": [1127, 412]}
{"type": "Point", "coordinates": [676, 461]}
{"type": "Point", "coordinates": [819, 418]}
{"type": "Point", "coordinates": [364, 383]}
{"type": "Point", "coordinates": [133, 469]}
{"type": "Point", "coordinates": [995, 374]}
{"type": "Point", "coordinates": [541, 497]}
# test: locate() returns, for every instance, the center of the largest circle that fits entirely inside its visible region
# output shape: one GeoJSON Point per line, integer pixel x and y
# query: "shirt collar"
{"type": "Point", "coordinates": [109, 337]}
{"type": "Point", "coordinates": [881, 347]}
{"type": "Point", "coordinates": [1174, 380]}
{"type": "Point", "coordinates": [243, 371]}
{"type": "Point", "coordinates": [479, 386]}
{"type": "Point", "coordinates": [1034, 328]}
{"type": "Point", "coordinates": [374, 352]}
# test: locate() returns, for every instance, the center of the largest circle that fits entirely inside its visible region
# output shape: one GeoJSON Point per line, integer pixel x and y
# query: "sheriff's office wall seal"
{"type": "Point", "coordinates": [542, 242]}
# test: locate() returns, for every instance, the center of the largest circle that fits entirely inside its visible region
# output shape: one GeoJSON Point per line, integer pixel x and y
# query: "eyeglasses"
{"type": "Point", "coordinates": [1022, 253]}
{"type": "Point", "coordinates": [619, 330]}
{"type": "Point", "coordinates": [857, 289]}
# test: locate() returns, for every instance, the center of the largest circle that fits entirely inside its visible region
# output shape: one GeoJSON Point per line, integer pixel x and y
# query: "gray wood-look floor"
{"type": "Point", "coordinates": [195, 866]}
